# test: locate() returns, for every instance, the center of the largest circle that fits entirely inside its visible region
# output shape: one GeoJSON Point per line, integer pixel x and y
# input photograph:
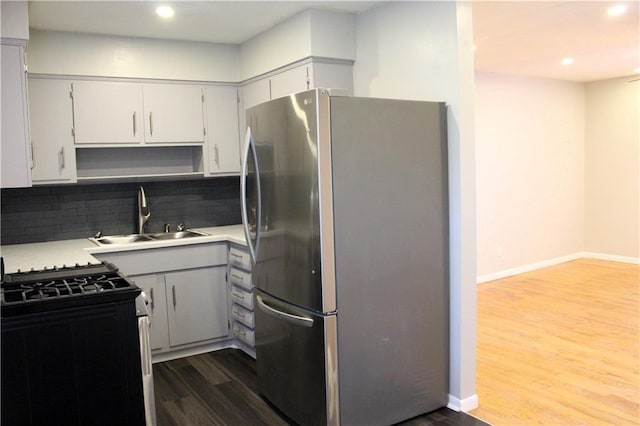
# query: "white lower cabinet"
{"type": "Point", "coordinates": [186, 307]}
{"type": "Point", "coordinates": [154, 287]}
{"type": "Point", "coordinates": [187, 296]}
{"type": "Point", "coordinates": [190, 298]}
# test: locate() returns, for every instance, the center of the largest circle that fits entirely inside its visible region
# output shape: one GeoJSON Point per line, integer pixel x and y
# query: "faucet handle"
{"type": "Point", "coordinates": [180, 227]}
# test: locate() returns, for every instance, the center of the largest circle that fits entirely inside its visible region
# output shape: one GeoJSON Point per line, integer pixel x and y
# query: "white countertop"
{"type": "Point", "coordinates": [69, 252]}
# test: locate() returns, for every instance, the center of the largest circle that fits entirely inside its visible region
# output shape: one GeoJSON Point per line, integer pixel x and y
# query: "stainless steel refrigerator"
{"type": "Point", "coordinates": [344, 203]}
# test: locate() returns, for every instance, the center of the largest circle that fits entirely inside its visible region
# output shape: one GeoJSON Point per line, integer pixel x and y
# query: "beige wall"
{"type": "Point", "coordinates": [557, 172]}
{"type": "Point", "coordinates": [55, 52]}
{"type": "Point", "coordinates": [612, 162]}
{"type": "Point", "coordinates": [14, 19]}
{"type": "Point", "coordinates": [530, 171]}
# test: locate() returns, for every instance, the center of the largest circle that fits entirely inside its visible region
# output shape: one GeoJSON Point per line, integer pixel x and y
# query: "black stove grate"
{"type": "Point", "coordinates": [36, 291]}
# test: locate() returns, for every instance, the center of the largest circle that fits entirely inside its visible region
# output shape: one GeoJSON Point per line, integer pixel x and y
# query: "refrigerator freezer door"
{"type": "Point", "coordinates": [296, 365]}
{"type": "Point", "coordinates": [294, 258]}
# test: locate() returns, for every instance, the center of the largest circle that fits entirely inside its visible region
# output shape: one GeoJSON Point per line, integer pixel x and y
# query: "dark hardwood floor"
{"type": "Point", "coordinates": [220, 388]}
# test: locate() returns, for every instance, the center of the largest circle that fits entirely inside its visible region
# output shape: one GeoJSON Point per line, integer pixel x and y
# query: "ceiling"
{"type": "Point", "coordinates": [513, 37]}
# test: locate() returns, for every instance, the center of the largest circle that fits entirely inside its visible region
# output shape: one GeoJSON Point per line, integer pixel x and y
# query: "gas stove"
{"type": "Point", "coordinates": [33, 291]}
{"type": "Point", "coordinates": [84, 318]}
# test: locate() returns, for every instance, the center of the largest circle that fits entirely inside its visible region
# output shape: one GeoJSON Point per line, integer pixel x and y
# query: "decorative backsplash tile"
{"type": "Point", "coordinates": [48, 213]}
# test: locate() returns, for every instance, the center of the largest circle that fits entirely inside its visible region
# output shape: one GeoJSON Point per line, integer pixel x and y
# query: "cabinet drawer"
{"type": "Point", "coordinates": [239, 258]}
{"type": "Point", "coordinates": [242, 297]}
{"type": "Point", "coordinates": [244, 333]}
{"type": "Point", "coordinates": [243, 315]}
{"type": "Point", "coordinates": [240, 278]}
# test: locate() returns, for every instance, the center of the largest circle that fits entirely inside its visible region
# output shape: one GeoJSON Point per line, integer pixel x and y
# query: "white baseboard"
{"type": "Point", "coordinates": [556, 261]}
{"type": "Point", "coordinates": [612, 257]}
{"type": "Point", "coordinates": [466, 404]}
{"type": "Point", "coordinates": [527, 268]}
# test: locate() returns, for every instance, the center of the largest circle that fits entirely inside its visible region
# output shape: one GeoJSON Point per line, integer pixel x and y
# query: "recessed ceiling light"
{"type": "Point", "coordinates": [567, 61]}
{"type": "Point", "coordinates": [617, 10]}
{"type": "Point", "coordinates": [165, 11]}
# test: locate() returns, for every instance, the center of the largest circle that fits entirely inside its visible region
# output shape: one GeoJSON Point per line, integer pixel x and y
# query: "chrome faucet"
{"type": "Point", "coordinates": [143, 211]}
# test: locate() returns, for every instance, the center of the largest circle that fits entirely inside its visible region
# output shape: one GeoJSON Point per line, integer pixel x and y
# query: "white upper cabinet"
{"type": "Point", "coordinates": [16, 167]}
{"type": "Point", "coordinates": [51, 119]}
{"type": "Point", "coordinates": [107, 112]}
{"type": "Point", "coordinates": [222, 138]}
{"type": "Point", "coordinates": [173, 113]}
{"type": "Point", "coordinates": [134, 113]}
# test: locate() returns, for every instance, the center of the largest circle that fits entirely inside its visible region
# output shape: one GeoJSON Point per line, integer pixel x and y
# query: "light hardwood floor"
{"type": "Point", "coordinates": [560, 346]}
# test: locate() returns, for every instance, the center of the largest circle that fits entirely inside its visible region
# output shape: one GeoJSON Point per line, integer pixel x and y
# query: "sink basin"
{"type": "Point", "coordinates": [138, 238]}
{"type": "Point", "coordinates": [123, 239]}
{"type": "Point", "coordinates": [175, 235]}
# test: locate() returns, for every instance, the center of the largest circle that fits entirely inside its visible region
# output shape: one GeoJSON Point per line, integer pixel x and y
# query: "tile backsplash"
{"type": "Point", "coordinates": [48, 213]}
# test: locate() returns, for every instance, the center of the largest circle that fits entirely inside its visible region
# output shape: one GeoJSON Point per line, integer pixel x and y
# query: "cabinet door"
{"type": "Point", "coordinates": [16, 167]}
{"type": "Point", "coordinates": [51, 117]}
{"type": "Point", "coordinates": [173, 113]}
{"type": "Point", "coordinates": [197, 305]}
{"type": "Point", "coordinates": [107, 112]}
{"type": "Point", "coordinates": [291, 81]}
{"type": "Point", "coordinates": [154, 287]}
{"type": "Point", "coordinates": [223, 140]}
{"type": "Point", "coordinates": [256, 93]}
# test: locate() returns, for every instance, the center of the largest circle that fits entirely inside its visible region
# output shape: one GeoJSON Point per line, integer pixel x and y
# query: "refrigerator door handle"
{"type": "Point", "coordinates": [294, 319]}
{"type": "Point", "coordinates": [249, 145]}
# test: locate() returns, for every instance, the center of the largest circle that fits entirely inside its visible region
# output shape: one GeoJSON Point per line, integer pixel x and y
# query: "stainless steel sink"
{"type": "Point", "coordinates": [138, 238]}
{"type": "Point", "coordinates": [123, 239]}
{"type": "Point", "coordinates": [175, 235]}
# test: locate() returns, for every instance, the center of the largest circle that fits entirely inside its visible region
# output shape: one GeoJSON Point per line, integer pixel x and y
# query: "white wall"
{"type": "Point", "coordinates": [14, 19]}
{"type": "Point", "coordinates": [422, 51]}
{"type": "Point", "coordinates": [612, 168]}
{"type": "Point", "coordinates": [53, 52]}
{"type": "Point", "coordinates": [311, 33]}
{"type": "Point", "coordinates": [530, 171]}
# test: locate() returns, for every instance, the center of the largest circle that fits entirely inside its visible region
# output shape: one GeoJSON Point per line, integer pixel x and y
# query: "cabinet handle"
{"type": "Point", "coordinates": [134, 123]}
{"type": "Point", "coordinates": [61, 158]}
{"type": "Point", "coordinates": [151, 296]}
{"type": "Point", "coordinates": [151, 123]}
{"type": "Point", "coordinates": [215, 149]}
{"type": "Point", "coordinates": [238, 277]}
{"type": "Point", "coordinates": [173, 291]}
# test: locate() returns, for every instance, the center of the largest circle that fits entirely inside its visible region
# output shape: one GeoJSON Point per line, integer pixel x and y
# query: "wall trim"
{"type": "Point", "coordinates": [555, 261]}
{"type": "Point", "coordinates": [527, 268]}
{"type": "Point", "coordinates": [466, 404]}
{"type": "Point", "coordinates": [611, 257]}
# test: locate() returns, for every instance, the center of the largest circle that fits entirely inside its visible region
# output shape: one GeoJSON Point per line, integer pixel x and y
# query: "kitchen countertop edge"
{"type": "Point", "coordinates": [69, 252]}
